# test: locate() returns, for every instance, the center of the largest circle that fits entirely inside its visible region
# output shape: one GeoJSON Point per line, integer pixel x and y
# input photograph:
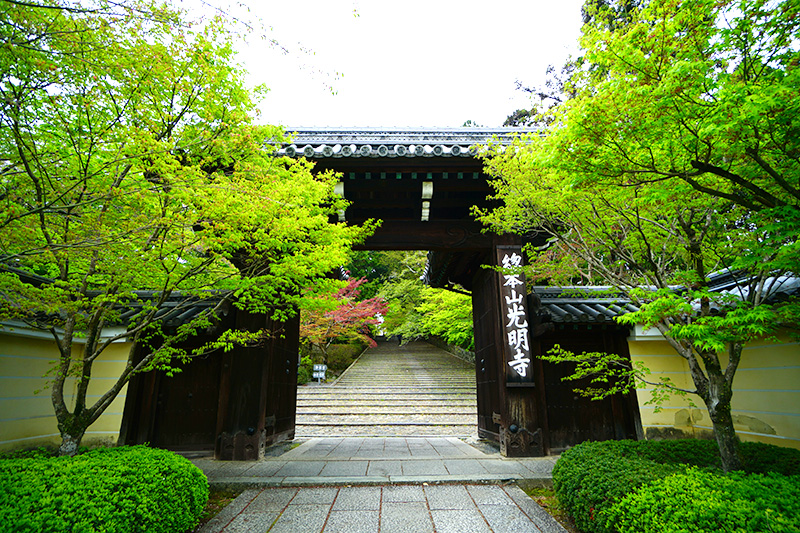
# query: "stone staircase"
{"type": "Point", "coordinates": [391, 390]}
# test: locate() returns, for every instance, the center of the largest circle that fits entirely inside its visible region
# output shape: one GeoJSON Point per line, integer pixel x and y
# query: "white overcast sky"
{"type": "Point", "coordinates": [414, 63]}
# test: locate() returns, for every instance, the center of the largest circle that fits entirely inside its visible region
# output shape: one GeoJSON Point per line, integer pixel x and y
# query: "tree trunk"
{"type": "Point", "coordinates": [72, 428]}
{"type": "Point", "coordinates": [716, 390]}
{"type": "Point", "coordinates": [725, 436]}
{"type": "Point", "coordinates": [69, 443]}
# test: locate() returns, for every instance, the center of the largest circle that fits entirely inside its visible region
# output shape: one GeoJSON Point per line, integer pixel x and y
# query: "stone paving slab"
{"type": "Point", "coordinates": [393, 431]}
{"type": "Point", "coordinates": [385, 469]}
{"type": "Point", "coordinates": [385, 509]}
{"type": "Point", "coordinates": [380, 448]}
{"type": "Point", "coordinates": [332, 461]}
{"type": "Point", "coordinates": [459, 521]}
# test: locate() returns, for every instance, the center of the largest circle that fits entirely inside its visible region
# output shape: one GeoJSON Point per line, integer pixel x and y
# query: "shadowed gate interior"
{"type": "Point", "coordinates": [422, 185]}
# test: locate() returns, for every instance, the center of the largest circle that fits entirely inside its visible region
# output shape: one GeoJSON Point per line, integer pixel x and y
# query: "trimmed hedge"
{"type": "Point", "coordinates": [305, 370]}
{"type": "Point", "coordinates": [703, 501]}
{"type": "Point", "coordinates": [124, 489]}
{"type": "Point", "coordinates": [591, 478]}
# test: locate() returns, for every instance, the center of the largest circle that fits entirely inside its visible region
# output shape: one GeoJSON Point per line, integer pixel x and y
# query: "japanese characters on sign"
{"type": "Point", "coordinates": [516, 313]}
{"type": "Point", "coordinates": [319, 372]}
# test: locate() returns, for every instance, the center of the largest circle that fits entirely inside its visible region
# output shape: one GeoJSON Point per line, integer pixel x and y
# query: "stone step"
{"type": "Point", "coordinates": [400, 370]}
{"type": "Point", "coordinates": [422, 395]}
{"type": "Point", "coordinates": [348, 408]}
{"type": "Point", "coordinates": [390, 431]}
{"type": "Point", "coordinates": [413, 418]}
{"type": "Point", "coordinates": [385, 412]}
{"type": "Point", "coordinates": [415, 390]}
{"type": "Point", "coordinates": [385, 399]}
{"type": "Point", "coordinates": [347, 404]}
{"type": "Point", "coordinates": [395, 390]}
{"type": "Point", "coordinates": [377, 385]}
{"type": "Point", "coordinates": [388, 409]}
{"type": "Point", "coordinates": [367, 381]}
{"type": "Point", "coordinates": [355, 402]}
{"type": "Point", "coordinates": [384, 392]}
{"type": "Point", "coordinates": [378, 420]}
{"type": "Point", "coordinates": [420, 423]}
{"type": "Point", "coordinates": [375, 373]}
{"type": "Point", "coordinates": [377, 390]}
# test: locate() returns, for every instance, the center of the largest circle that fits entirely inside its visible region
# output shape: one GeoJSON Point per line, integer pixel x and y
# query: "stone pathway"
{"type": "Point", "coordinates": [378, 453]}
{"type": "Point", "coordinates": [351, 461]}
{"type": "Point", "coordinates": [381, 485]}
{"type": "Point", "coordinates": [391, 390]}
{"type": "Point", "coordinates": [385, 509]}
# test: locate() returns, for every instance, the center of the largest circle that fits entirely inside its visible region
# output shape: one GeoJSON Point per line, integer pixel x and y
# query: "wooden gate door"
{"type": "Point", "coordinates": [258, 391]}
{"type": "Point", "coordinates": [574, 418]}
{"type": "Point", "coordinates": [488, 381]}
{"type": "Point", "coordinates": [186, 406]}
{"type": "Point", "coordinates": [234, 403]}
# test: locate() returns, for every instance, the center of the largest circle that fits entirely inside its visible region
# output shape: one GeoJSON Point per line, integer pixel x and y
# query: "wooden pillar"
{"type": "Point", "coordinates": [258, 390]}
{"type": "Point", "coordinates": [510, 407]}
{"type": "Point", "coordinates": [279, 396]}
{"type": "Point", "coordinates": [489, 382]}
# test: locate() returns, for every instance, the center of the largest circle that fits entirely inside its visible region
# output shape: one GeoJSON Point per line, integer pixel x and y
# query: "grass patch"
{"type": "Point", "coordinates": [217, 501]}
{"type": "Point", "coordinates": [547, 500]}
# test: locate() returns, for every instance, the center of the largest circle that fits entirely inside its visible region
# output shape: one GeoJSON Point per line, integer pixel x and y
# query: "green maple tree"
{"type": "Point", "coordinates": [132, 176]}
{"type": "Point", "coordinates": [673, 164]}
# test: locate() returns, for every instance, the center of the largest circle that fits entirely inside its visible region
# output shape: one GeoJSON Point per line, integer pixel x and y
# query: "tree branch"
{"type": "Point", "coordinates": [763, 197]}
{"type": "Point", "coordinates": [753, 153]}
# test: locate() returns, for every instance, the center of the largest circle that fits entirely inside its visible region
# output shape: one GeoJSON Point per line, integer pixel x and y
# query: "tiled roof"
{"type": "Point", "coordinates": [598, 304]}
{"type": "Point", "coordinates": [774, 289]}
{"type": "Point", "coordinates": [381, 142]}
{"type": "Point", "coordinates": [588, 305]}
{"type": "Point", "coordinates": [176, 311]}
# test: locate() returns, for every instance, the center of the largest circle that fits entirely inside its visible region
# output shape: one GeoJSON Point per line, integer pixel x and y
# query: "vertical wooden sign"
{"type": "Point", "coordinates": [514, 306]}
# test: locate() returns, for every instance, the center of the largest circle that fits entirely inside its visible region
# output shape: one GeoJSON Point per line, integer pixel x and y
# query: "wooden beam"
{"type": "Point", "coordinates": [432, 235]}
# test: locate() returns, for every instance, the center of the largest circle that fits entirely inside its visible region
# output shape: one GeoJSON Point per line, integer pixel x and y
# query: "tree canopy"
{"type": "Point", "coordinates": [131, 175]}
{"type": "Point", "coordinates": [674, 162]}
{"type": "Point", "coordinates": [699, 90]}
{"type": "Point", "coordinates": [416, 311]}
{"type": "Point", "coordinates": [342, 317]}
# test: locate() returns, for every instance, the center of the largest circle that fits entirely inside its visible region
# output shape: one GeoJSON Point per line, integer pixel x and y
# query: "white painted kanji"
{"type": "Point", "coordinates": [517, 315]}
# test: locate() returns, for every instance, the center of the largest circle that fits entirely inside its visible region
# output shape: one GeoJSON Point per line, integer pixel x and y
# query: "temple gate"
{"type": "Point", "coordinates": [422, 184]}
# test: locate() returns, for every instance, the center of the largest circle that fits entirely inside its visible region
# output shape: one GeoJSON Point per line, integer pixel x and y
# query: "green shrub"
{"type": "Point", "coordinates": [42, 452]}
{"type": "Point", "coordinates": [695, 452]}
{"type": "Point", "coordinates": [123, 489]}
{"type": "Point", "coordinates": [305, 371]}
{"type": "Point", "coordinates": [341, 356]}
{"type": "Point", "coordinates": [591, 478]}
{"type": "Point", "coordinates": [763, 458]}
{"type": "Point", "coordinates": [756, 456]}
{"type": "Point", "coordinates": [698, 500]}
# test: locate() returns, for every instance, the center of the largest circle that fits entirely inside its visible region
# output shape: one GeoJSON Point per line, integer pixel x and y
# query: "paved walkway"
{"type": "Point", "coordinates": [421, 479]}
{"type": "Point", "coordinates": [381, 485]}
{"type": "Point", "coordinates": [341, 461]}
{"type": "Point", "coordinates": [385, 509]}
